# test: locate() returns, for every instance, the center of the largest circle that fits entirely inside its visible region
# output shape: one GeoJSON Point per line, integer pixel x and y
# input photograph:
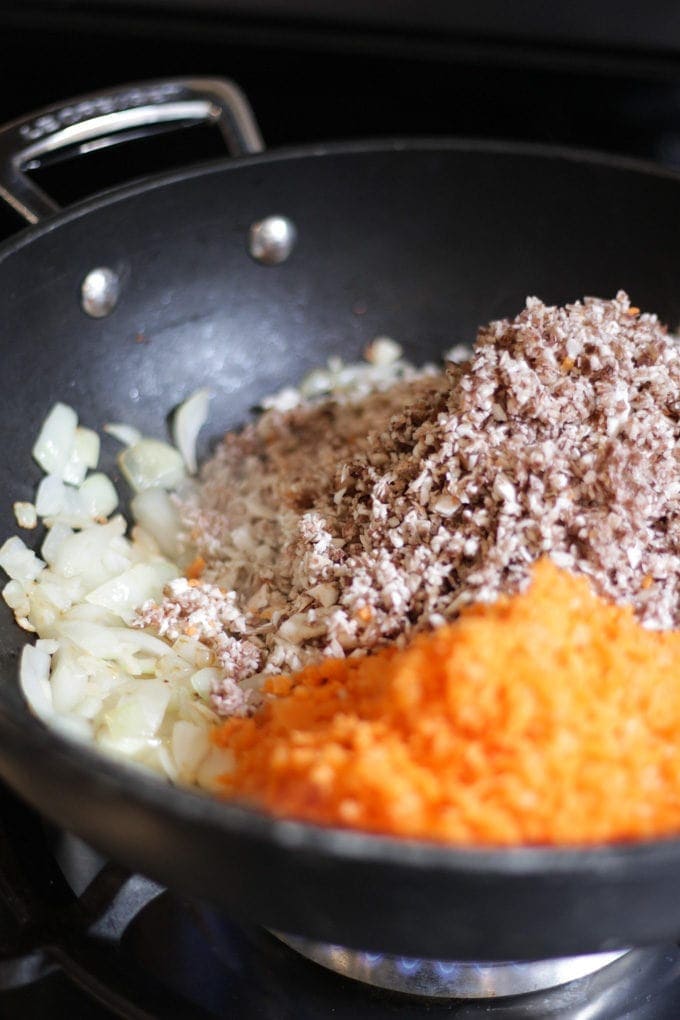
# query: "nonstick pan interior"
{"type": "Point", "coordinates": [420, 241]}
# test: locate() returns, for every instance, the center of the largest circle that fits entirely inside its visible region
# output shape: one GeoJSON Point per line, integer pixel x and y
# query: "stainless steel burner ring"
{"type": "Point", "coordinates": [450, 978]}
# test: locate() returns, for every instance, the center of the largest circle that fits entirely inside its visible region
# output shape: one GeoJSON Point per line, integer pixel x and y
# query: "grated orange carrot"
{"type": "Point", "coordinates": [547, 717]}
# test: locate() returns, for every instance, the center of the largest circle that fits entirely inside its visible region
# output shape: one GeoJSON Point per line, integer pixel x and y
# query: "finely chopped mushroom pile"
{"type": "Point", "coordinates": [387, 510]}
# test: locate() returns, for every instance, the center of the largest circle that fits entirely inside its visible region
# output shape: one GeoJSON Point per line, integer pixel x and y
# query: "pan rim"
{"type": "Point", "coordinates": [501, 147]}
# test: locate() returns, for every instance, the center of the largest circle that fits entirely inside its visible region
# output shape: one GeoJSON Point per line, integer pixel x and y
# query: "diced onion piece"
{"type": "Point", "coordinates": [16, 597]}
{"type": "Point", "coordinates": [126, 592]}
{"type": "Point", "coordinates": [18, 561]}
{"type": "Point", "coordinates": [144, 544]}
{"type": "Point", "coordinates": [26, 515]}
{"type": "Point", "coordinates": [53, 446]}
{"type": "Point", "coordinates": [189, 419]}
{"type": "Point", "coordinates": [54, 539]}
{"type": "Point", "coordinates": [61, 591]}
{"type": "Point", "coordinates": [139, 714]}
{"type": "Point", "coordinates": [34, 672]}
{"type": "Point", "coordinates": [383, 351]}
{"type": "Point", "coordinates": [285, 400]}
{"type": "Point", "coordinates": [150, 464]}
{"type": "Point", "coordinates": [92, 614]}
{"type": "Point", "coordinates": [51, 496]}
{"type": "Point", "coordinates": [68, 681]}
{"type": "Point", "coordinates": [81, 554]}
{"type": "Point", "coordinates": [48, 645]}
{"type": "Point", "coordinates": [84, 454]}
{"type": "Point", "coordinates": [155, 512]}
{"type": "Point", "coordinates": [114, 559]}
{"type": "Point", "coordinates": [316, 383]}
{"type": "Point", "coordinates": [44, 614]}
{"type": "Point", "coordinates": [218, 762]}
{"type": "Point", "coordinates": [190, 746]}
{"type": "Point", "coordinates": [128, 435]}
{"type": "Point", "coordinates": [88, 445]}
{"type": "Point", "coordinates": [73, 512]}
{"type": "Point", "coordinates": [98, 495]}
{"type": "Point", "coordinates": [114, 643]}
{"type": "Point", "coordinates": [192, 651]}
{"type": "Point", "coordinates": [175, 669]}
{"type": "Point", "coordinates": [204, 680]}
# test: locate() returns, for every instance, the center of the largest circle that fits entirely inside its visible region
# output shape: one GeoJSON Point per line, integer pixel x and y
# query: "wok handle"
{"type": "Point", "coordinates": [110, 116]}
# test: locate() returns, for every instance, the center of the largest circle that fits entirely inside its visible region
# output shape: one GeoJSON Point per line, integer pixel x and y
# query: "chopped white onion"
{"type": "Point", "coordinates": [285, 400]}
{"type": "Point", "coordinates": [117, 556]}
{"type": "Point", "coordinates": [84, 454]}
{"type": "Point", "coordinates": [92, 614]}
{"type": "Point", "coordinates": [190, 746]}
{"type": "Point", "coordinates": [60, 591]}
{"type": "Point", "coordinates": [98, 495]}
{"type": "Point", "coordinates": [16, 597]}
{"type": "Point", "coordinates": [73, 511]}
{"type": "Point", "coordinates": [51, 496]}
{"type": "Point", "coordinates": [93, 676]}
{"type": "Point", "coordinates": [144, 544]}
{"type": "Point", "coordinates": [192, 651]}
{"type": "Point", "coordinates": [53, 446]}
{"type": "Point", "coordinates": [175, 669]}
{"type": "Point", "coordinates": [155, 512]}
{"type": "Point", "coordinates": [44, 613]}
{"type": "Point", "coordinates": [18, 561]}
{"type": "Point", "coordinates": [114, 643]}
{"type": "Point", "coordinates": [26, 515]}
{"type": "Point", "coordinates": [127, 591]}
{"type": "Point", "coordinates": [218, 762]}
{"type": "Point", "coordinates": [81, 554]}
{"type": "Point", "coordinates": [34, 672]}
{"type": "Point", "coordinates": [69, 681]}
{"type": "Point", "coordinates": [139, 714]}
{"type": "Point", "coordinates": [204, 680]}
{"type": "Point", "coordinates": [128, 435]}
{"type": "Point", "coordinates": [189, 419]}
{"type": "Point", "coordinates": [47, 645]}
{"type": "Point", "coordinates": [151, 463]}
{"type": "Point", "coordinates": [383, 351]}
{"type": "Point", "coordinates": [54, 539]}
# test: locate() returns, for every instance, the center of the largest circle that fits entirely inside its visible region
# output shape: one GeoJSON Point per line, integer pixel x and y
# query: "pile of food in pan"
{"type": "Point", "coordinates": [438, 602]}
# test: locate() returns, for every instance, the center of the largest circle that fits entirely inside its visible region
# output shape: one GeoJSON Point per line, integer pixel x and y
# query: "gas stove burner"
{"type": "Point", "coordinates": [452, 979]}
{"type": "Point", "coordinates": [80, 935]}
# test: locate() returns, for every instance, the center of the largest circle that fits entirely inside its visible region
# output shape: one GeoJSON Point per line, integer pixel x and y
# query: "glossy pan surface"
{"type": "Point", "coordinates": [422, 241]}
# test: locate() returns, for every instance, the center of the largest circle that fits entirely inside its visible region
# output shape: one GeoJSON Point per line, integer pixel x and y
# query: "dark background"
{"type": "Point", "coordinates": [596, 75]}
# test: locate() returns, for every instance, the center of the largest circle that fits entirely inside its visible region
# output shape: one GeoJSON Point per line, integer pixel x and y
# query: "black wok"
{"type": "Point", "coordinates": [422, 240]}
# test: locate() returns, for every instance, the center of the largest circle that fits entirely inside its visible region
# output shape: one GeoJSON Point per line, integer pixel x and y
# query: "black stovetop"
{"type": "Point", "coordinates": [309, 81]}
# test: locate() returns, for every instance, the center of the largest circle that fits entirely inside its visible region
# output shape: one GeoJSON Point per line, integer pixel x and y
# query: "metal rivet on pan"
{"type": "Point", "coordinates": [99, 292]}
{"type": "Point", "coordinates": [271, 240]}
